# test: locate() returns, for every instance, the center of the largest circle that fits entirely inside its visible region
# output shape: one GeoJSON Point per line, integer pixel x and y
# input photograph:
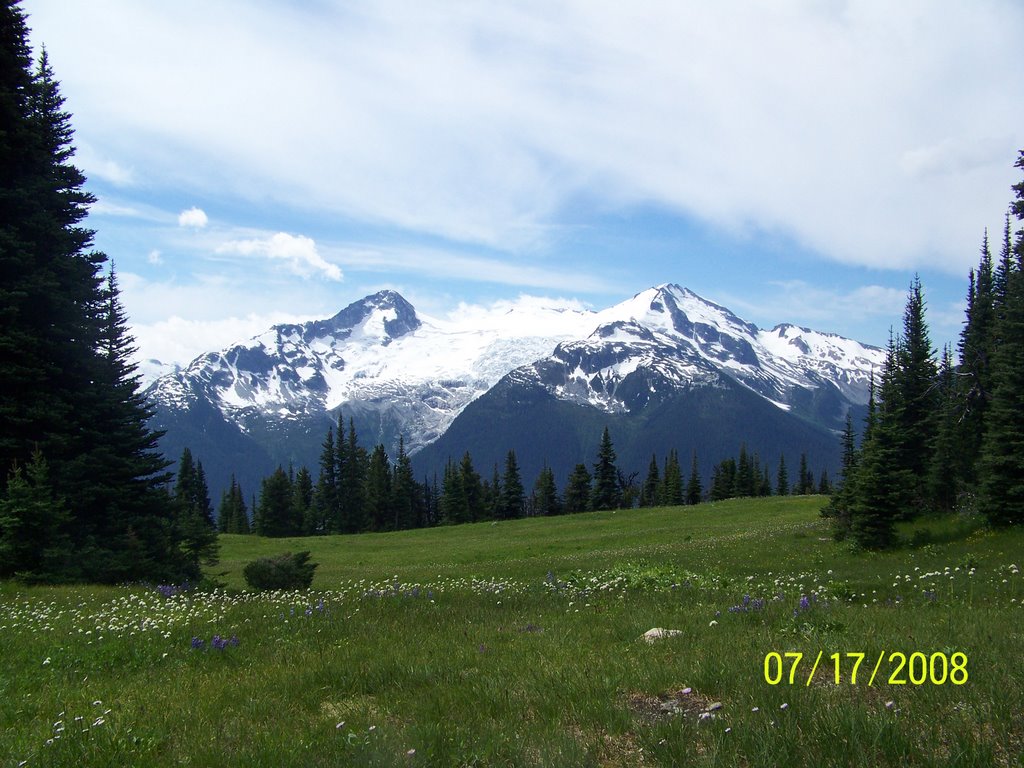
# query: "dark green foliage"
{"type": "Point", "coordinates": [881, 483]}
{"type": "Point", "coordinates": [473, 490]}
{"type": "Point", "coordinates": [67, 384]}
{"type": "Point", "coordinates": [914, 379]}
{"type": "Point", "coordinates": [512, 493]}
{"type": "Point", "coordinates": [326, 509]}
{"type": "Point", "coordinates": [670, 492]}
{"type": "Point", "coordinates": [650, 492]}
{"type": "Point", "coordinates": [232, 515]}
{"type": "Point", "coordinates": [577, 490]}
{"type": "Point", "coordinates": [273, 516]}
{"type": "Point", "coordinates": [723, 480]}
{"type": "Point", "coordinates": [194, 524]}
{"type": "Point", "coordinates": [406, 501]}
{"type": "Point", "coordinates": [453, 506]}
{"type": "Point", "coordinates": [34, 540]}
{"type": "Point", "coordinates": [606, 492]}
{"type": "Point", "coordinates": [782, 478]}
{"type": "Point", "coordinates": [545, 494]}
{"type": "Point", "coordinates": [353, 466]}
{"type": "Point", "coordinates": [944, 477]}
{"type": "Point", "coordinates": [973, 377]}
{"type": "Point", "coordinates": [378, 491]}
{"type": "Point", "coordinates": [693, 486]}
{"type": "Point", "coordinates": [287, 571]}
{"type": "Point", "coordinates": [1001, 467]}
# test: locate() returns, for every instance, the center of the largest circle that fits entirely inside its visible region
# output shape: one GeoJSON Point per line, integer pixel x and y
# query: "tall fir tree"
{"type": "Point", "coordinates": [782, 478]}
{"type": "Point", "coordinates": [34, 541]}
{"type": "Point", "coordinates": [577, 490]}
{"type": "Point", "coordinates": [881, 483]}
{"type": "Point", "coordinates": [606, 492]}
{"type": "Point", "coordinates": [915, 420]}
{"type": "Point", "coordinates": [545, 491]}
{"type": "Point", "coordinates": [512, 493]}
{"type": "Point", "coordinates": [353, 465]}
{"type": "Point", "coordinates": [974, 374]}
{"type": "Point", "coordinates": [273, 516]}
{"type": "Point", "coordinates": [650, 495]}
{"type": "Point", "coordinates": [378, 491]}
{"type": "Point", "coordinates": [1001, 465]}
{"type": "Point", "coordinates": [326, 499]}
{"type": "Point", "coordinates": [67, 385]}
{"type": "Point", "coordinates": [694, 491]}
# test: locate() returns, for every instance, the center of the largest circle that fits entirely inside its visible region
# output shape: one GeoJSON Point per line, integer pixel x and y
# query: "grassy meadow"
{"type": "Point", "coordinates": [519, 644]}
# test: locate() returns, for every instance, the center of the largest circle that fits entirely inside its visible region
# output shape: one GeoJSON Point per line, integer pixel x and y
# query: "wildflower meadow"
{"type": "Point", "coordinates": [522, 643]}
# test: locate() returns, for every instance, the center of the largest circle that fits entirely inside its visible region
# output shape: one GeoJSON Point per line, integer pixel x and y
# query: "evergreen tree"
{"type": "Point", "coordinates": [546, 493]}
{"type": "Point", "coordinates": [405, 499]}
{"type": "Point", "coordinates": [326, 499]}
{"type": "Point", "coordinates": [232, 515]}
{"type": "Point", "coordinates": [672, 481]}
{"type": "Point", "coordinates": [453, 506]}
{"type": "Point", "coordinates": [606, 492]}
{"type": "Point", "coordinates": [782, 478]}
{"type": "Point", "coordinates": [472, 488]}
{"type": "Point", "coordinates": [649, 494]}
{"type": "Point", "coordinates": [303, 516]}
{"type": "Point", "coordinates": [974, 375]}
{"type": "Point", "coordinates": [194, 526]}
{"type": "Point", "coordinates": [745, 485]}
{"type": "Point", "coordinates": [694, 492]}
{"type": "Point", "coordinates": [805, 485]}
{"type": "Point", "coordinates": [1001, 466]}
{"type": "Point", "coordinates": [273, 516]}
{"type": "Point", "coordinates": [723, 480]}
{"type": "Point", "coordinates": [915, 422]}
{"type": "Point", "coordinates": [577, 490]}
{"type": "Point", "coordinates": [34, 540]}
{"type": "Point", "coordinates": [353, 464]}
{"type": "Point", "coordinates": [379, 514]}
{"type": "Point", "coordinates": [512, 493]}
{"type": "Point", "coordinates": [943, 474]}
{"type": "Point", "coordinates": [67, 385]}
{"type": "Point", "coordinates": [824, 485]}
{"type": "Point", "coordinates": [881, 482]}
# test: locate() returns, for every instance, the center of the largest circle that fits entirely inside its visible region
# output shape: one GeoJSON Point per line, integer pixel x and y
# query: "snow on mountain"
{"type": "Point", "coordinates": [376, 354]}
{"type": "Point", "coordinates": [412, 375]}
{"type": "Point", "coordinates": [668, 337]}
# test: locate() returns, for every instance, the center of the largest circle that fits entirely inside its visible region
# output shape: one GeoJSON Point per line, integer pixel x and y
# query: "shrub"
{"type": "Point", "coordinates": [285, 571]}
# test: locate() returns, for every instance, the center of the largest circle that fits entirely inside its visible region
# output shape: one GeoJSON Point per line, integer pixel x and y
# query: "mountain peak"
{"type": "Point", "coordinates": [386, 314]}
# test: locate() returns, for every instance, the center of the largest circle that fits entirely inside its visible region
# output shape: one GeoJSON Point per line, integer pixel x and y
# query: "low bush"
{"type": "Point", "coordinates": [287, 571]}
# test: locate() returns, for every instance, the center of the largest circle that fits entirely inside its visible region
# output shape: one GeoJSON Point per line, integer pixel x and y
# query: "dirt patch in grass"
{"type": "Point", "coordinates": [684, 702]}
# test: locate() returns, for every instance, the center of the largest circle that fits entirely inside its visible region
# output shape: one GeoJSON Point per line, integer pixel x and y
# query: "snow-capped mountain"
{"type": "Point", "coordinates": [668, 337]}
{"type": "Point", "coordinates": [376, 356]}
{"type": "Point", "coordinates": [395, 373]}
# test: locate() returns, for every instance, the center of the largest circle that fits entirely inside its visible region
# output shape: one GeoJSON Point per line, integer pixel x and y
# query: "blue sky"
{"type": "Point", "coordinates": [257, 162]}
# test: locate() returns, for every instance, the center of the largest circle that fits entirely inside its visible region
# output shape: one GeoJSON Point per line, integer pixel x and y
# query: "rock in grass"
{"type": "Point", "coordinates": [658, 633]}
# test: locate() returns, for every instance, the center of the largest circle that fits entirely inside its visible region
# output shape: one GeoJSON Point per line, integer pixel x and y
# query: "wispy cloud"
{"type": "Point", "coordinates": [863, 131]}
{"type": "Point", "coordinates": [297, 251]}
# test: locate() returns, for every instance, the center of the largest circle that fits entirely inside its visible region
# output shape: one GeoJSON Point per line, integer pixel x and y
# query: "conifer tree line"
{"type": "Point", "coordinates": [356, 490]}
{"type": "Point", "coordinates": [83, 490]}
{"type": "Point", "coordinates": [944, 434]}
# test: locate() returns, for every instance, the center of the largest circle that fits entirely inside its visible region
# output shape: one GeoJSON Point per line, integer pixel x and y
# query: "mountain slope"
{"type": "Point", "coordinates": [663, 361]}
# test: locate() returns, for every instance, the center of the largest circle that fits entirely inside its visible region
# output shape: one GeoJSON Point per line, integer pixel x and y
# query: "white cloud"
{"type": "Point", "coordinates": [193, 217]}
{"type": "Point", "coordinates": [876, 133]}
{"type": "Point", "coordinates": [177, 340]}
{"type": "Point", "coordinates": [95, 165]}
{"type": "Point", "coordinates": [297, 251]}
{"type": "Point", "coordinates": [155, 257]}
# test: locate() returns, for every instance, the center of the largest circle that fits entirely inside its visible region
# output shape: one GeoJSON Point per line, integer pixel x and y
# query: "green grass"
{"type": "Point", "coordinates": [517, 643]}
